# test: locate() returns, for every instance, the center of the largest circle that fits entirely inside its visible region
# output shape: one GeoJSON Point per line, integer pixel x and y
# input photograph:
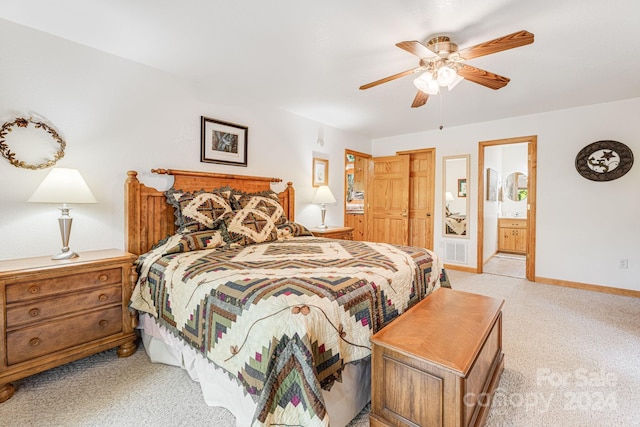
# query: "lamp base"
{"type": "Point", "coordinates": [65, 230]}
{"type": "Point", "coordinates": [324, 214]}
{"type": "Point", "coordinates": [323, 226]}
{"type": "Point", "coordinates": [68, 254]}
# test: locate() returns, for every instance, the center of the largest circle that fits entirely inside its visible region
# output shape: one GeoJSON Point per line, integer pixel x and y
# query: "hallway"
{"type": "Point", "coordinates": [503, 264]}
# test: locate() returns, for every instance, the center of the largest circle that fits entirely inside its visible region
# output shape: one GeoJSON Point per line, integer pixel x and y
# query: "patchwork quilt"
{"type": "Point", "coordinates": [284, 317]}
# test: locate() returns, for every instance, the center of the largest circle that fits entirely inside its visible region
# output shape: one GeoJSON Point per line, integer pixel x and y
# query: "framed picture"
{"type": "Point", "coordinates": [462, 187]}
{"type": "Point", "coordinates": [320, 172]}
{"type": "Point", "coordinates": [492, 185]}
{"type": "Point", "coordinates": [223, 142]}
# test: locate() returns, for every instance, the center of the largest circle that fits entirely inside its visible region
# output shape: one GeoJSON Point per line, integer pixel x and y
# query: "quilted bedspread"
{"type": "Point", "coordinates": [284, 317]}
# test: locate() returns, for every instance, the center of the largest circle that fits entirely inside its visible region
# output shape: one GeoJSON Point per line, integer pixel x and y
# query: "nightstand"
{"type": "Point", "coordinates": [55, 312]}
{"type": "Point", "coordinates": [344, 233]}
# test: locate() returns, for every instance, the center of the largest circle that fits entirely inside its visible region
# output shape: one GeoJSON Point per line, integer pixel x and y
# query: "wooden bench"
{"type": "Point", "coordinates": [439, 363]}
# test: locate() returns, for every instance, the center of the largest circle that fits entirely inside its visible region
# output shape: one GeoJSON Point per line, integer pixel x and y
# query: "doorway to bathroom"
{"type": "Point", "coordinates": [507, 207]}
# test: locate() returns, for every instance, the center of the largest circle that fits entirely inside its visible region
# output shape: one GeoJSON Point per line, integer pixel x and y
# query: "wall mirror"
{"type": "Point", "coordinates": [515, 186]}
{"type": "Point", "coordinates": [455, 194]}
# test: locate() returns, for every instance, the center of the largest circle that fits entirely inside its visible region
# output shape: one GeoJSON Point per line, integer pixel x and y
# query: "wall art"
{"type": "Point", "coordinates": [223, 142]}
{"type": "Point", "coordinates": [604, 160]}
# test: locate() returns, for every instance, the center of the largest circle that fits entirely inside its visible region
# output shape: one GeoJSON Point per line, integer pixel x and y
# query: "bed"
{"type": "Point", "coordinates": [273, 322]}
{"type": "Point", "coordinates": [456, 224]}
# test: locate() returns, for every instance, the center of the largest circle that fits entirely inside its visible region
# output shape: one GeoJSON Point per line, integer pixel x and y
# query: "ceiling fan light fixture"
{"type": "Point", "coordinates": [427, 84]}
{"type": "Point", "coordinates": [440, 61]}
{"type": "Point", "coordinates": [446, 75]}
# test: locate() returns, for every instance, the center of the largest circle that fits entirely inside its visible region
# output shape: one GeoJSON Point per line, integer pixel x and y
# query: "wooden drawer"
{"type": "Point", "coordinates": [42, 309]}
{"type": "Point", "coordinates": [31, 289]}
{"type": "Point", "coordinates": [512, 223]}
{"type": "Point", "coordinates": [29, 343]}
{"type": "Point", "coordinates": [53, 312]}
{"type": "Point", "coordinates": [343, 233]}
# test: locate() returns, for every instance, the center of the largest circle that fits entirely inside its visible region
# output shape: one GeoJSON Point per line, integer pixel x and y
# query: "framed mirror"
{"type": "Point", "coordinates": [515, 186]}
{"type": "Point", "coordinates": [455, 195]}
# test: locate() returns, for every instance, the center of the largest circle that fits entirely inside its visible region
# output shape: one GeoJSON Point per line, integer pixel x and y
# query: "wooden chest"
{"type": "Point", "coordinates": [439, 363]}
{"type": "Point", "coordinates": [54, 312]}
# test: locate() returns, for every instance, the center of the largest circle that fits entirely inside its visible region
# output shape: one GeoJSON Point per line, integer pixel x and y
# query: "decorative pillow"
{"type": "Point", "coordinates": [248, 226]}
{"type": "Point", "coordinates": [237, 194]}
{"type": "Point", "coordinates": [292, 229]}
{"type": "Point", "coordinates": [267, 202]}
{"type": "Point", "coordinates": [200, 210]}
{"type": "Point", "coordinates": [208, 239]}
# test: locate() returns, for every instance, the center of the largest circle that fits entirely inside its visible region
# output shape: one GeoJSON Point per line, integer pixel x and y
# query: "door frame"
{"type": "Point", "coordinates": [532, 160]}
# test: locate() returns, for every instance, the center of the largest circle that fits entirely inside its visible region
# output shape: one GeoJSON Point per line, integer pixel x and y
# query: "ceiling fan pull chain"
{"type": "Point", "coordinates": [441, 114]}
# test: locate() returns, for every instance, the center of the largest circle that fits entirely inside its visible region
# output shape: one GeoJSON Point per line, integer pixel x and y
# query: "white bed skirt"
{"type": "Point", "coordinates": [345, 400]}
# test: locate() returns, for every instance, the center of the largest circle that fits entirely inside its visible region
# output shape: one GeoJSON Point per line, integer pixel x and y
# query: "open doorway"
{"type": "Point", "coordinates": [507, 206]}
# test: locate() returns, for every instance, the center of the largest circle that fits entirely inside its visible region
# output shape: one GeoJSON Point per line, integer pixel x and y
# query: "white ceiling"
{"type": "Point", "coordinates": [310, 57]}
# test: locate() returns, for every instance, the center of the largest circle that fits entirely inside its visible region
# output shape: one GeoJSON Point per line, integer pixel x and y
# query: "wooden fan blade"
{"type": "Point", "coordinates": [482, 77]}
{"type": "Point", "coordinates": [518, 39]}
{"type": "Point", "coordinates": [388, 79]}
{"type": "Point", "coordinates": [416, 48]}
{"type": "Point", "coordinates": [420, 99]}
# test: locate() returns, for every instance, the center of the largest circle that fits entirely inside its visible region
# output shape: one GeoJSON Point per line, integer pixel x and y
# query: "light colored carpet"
{"type": "Point", "coordinates": [571, 359]}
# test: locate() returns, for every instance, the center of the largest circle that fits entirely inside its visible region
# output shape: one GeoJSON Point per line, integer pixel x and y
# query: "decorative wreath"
{"type": "Point", "coordinates": [23, 123]}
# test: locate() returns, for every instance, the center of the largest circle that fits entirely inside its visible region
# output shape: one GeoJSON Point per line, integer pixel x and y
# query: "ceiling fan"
{"type": "Point", "coordinates": [444, 65]}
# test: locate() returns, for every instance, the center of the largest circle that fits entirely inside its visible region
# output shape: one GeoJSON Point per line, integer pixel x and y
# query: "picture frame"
{"type": "Point", "coordinates": [492, 185]}
{"type": "Point", "coordinates": [462, 187]}
{"type": "Point", "coordinates": [223, 142]}
{"type": "Point", "coordinates": [320, 172]}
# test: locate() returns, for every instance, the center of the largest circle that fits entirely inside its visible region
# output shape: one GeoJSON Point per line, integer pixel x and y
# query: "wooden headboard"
{"type": "Point", "coordinates": [149, 218]}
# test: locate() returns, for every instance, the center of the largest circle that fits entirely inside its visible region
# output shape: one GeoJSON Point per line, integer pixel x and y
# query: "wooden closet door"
{"type": "Point", "coordinates": [388, 213]}
{"type": "Point", "coordinates": [421, 195]}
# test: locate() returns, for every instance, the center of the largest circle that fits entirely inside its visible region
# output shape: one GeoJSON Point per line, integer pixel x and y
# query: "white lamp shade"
{"type": "Point", "coordinates": [63, 185]}
{"type": "Point", "coordinates": [323, 195]}
{"type": "Point", "coordinates": [446, 75]}
{"type": "Point", "coordinates": [426, 84]}
{"type": "Point", "coordinates": [448, 196]}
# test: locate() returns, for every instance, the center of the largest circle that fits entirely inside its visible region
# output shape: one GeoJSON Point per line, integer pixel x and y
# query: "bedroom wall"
{"type": "Point", "coordinates": [583, 227]}
{"type": "Point", "coordinates": [116, 115]}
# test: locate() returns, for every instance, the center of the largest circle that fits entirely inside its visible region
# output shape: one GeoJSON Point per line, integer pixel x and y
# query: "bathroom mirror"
{"type": "Point", "coordinates": [455, 195]}
{"type": "Point", "coordinates": [515, 186]}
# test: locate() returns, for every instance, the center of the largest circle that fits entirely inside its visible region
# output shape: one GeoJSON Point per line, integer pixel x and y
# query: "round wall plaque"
{"type": "Point", "coordinates": [604, 160]}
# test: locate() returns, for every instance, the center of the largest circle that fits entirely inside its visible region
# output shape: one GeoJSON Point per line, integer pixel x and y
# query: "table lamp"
{"type": "Point", "coordinates": [63, 186]}
{"type": "Point", "coordinates": [448, 197]}
{"type": "Point", "coordinates": [323, 196]}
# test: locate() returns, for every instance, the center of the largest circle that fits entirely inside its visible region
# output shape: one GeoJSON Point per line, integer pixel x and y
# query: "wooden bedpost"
{"type": "Point", "coordinates": [288, 201]}
{"type": "Point", "coordinates": [132, 213]}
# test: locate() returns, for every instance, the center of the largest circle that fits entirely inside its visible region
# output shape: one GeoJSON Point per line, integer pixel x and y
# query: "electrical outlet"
{"type": "Point", "coordinates": [623, 263]}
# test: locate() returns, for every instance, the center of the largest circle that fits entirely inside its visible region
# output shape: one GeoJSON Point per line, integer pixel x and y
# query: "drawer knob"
{"type": "Point", "coordinates": [34, 342]}
{"type": "Point", "coordinates": [103, 277]}
{"type": "Point", "coordinates": [34, 289]}
{"type": "Point", "coordinates": [103, 297]}
{"type": "Point", "coordinates": [34, 312]}
{"type": "Point", "coordinates": [103, 323]}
